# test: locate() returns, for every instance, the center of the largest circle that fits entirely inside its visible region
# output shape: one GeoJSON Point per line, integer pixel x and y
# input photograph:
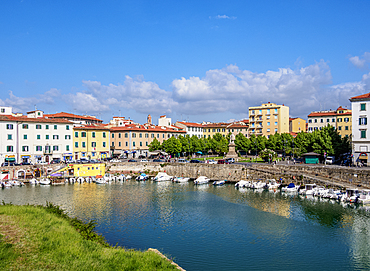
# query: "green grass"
{"type": "Point", "coordinates": [45, 238]}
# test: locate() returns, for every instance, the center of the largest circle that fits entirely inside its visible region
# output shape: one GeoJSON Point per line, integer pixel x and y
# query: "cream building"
{"type": "Point", "coordinates": [268, 119]}
{"type": "Point", "coordinates": [297, 125]}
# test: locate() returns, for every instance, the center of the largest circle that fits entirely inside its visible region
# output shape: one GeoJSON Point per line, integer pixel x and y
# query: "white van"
{"type": "Point", "coordinates": [182, 160]}
{"type": "Point", "coordinates": [329, 160]}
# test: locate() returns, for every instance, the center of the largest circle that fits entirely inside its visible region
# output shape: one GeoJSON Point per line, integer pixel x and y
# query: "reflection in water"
{"type": "Point", "coordinates": [196, 223]}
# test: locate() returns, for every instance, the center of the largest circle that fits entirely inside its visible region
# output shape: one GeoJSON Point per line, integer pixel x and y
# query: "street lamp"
{"type": "Point", "coordinates": [255, 142]}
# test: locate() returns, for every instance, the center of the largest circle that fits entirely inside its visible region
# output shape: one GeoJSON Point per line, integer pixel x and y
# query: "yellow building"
{"type": "Point", "coordinates": [344, 122]}
{"type": "Point", "coordinates": [84, 170]}
{"type": "Point", "coordinates": [91, 142]}
{"type": "Point", "coordinates": [209, 130]}
{"type": "Point", "coordinates": [268, 119]}
{"type": "Point", "coordinates": [297, 125]}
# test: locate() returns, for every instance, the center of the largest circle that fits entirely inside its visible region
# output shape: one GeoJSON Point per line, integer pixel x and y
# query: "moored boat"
{"type": "Point", "coordinates": [201, 180]}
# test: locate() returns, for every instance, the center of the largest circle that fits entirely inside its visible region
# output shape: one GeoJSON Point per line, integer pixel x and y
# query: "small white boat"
{"type": "Point", "coordinates": [258, 185]}
{"type": "Point", "coordinates": [15, 183]}
{"type": "Point", "coordinates": [291, 188]}
{"type": "Point", "coordinates": [243, 184]}
{"type": "Point", "coordinates": [121, 178]}
{"type": "Point", "coordinates": [272, 184]}
{"type": "Point", "coordinates": [128, 177]}
{"type": "Point", "coordinates": [162, 177]}
{"type": "Point", "coordinates": [72, 180]}
{"type": "Point", "coordinates": [219, 183]}
{"type": "Point", "coordinates": [364, 197]}
{"type": "Point", "coordinates": [100, 181]}
{"type": "Point", "coordinates": [107, 177]}
{"type": "Point", "coordinates": [201, 180]}
{"type": "Point", "coordinates": [142, 177]}
{"type": "Point", "coordinates": [308, 189]}
{"type": "Point", "coordinates": [45, 181]}
{"type": "Point", "coordinates": [180, 180]}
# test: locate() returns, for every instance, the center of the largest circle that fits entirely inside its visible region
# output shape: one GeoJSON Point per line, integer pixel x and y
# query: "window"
{"type": "Point", "coordinates": [363, 107]}
{"type": "Point", "coordinates": [112, 144]}
{"type": "Point", "coordinates": [67, 147]}
{"type": "Point", "coordinates": [346, 119]}
{"type": "Point", "coordinates": [146, 143]}
{"type": "Point", "coordinates": [67, 136]}
{"type": "Point", "coordinates": [38, 148]}
{"type": "Point", "coordinates": [10, 137]}
{"type": "Point", "coordinates": [93, 144]}
{"type": "Point", "coordinates": [339, 119]}
{"type": "Point", "coordinates": [327, 120]}
{"type": "Point", "coordinates": [126, 135]}
{"type": "Point", "coordinates": [362, 121]}
{"type": "Point", "coordinates": [104, 134]}
{"type": "Point", "coordinates": [321, 120]}
{"type": "Point", "coordinates": [38, 126]}
{"type": "Point", "coordinates": [38, 136]}
{"type": "Point", "coordinates": [346, 128]}
{"type": "Point", "coordinates": [55, 148]}
{"type": "Point", "coordinates": [309, 121]}
{"type": "Point", "coordinates": [55, 136]}
{"type": "Point", "coordinates": [157, 135]}
{"type": "Point", "coordinates": [24, 126]}
{"type": "Point", "coordinates": [268, 130]}
{"type": "Point", "coordinates": [76, 144]}
{"type": "Point", "coordinates": [47, 136]}
{"type": "Point", "coordinates": [134, 135]}
{"type": "Point", "coordinates": [163, 135]}
{"type": "Point", "coordinates": [339, 128]}
{"type": "Point", "coordinates": [9, 126]}
{"type": "Point", "coordinates": [2, 110]}
{"type": "Point", "coordinates": [83, 134]}
{"type": "Point", "coordinates": [24, 136]}
{"type": "Point", "coordinates": [55, 127]}
{"type": "Point", "coordinates": [260, 111]}
{"type": "Point", "coordinates": [332, 120]}
{"type": "Point", "coordinates": [9, 148]}
{"type": "Point", "coordinates": [315, 120]}
{"type": "Point", "coordinates": [152, 135]}
{"type": "Point", "coordinates": [275, 122]}
{"type": "Point", "coordinates": [93, 134]}
{"type": "Point", "coordinates": [112, 135]}
{"type": "Point", "coordinates": [275, 111]}
{"type": "Point", "coordinates": [103, 144]}
{"type": "Point", "coordinates": [47, 126]}
{"type": "Point", "coordinates": [119, 135]}
{"type": "Point", "coordinates": [25, 148]}
{"type": "Point", "coordinates": [140, 135]}
{"type": "Point", "coordinates": [83, 144]}
{"type": "Point", "coordinates": [126, 144]}
{"type": "Point", "coordinates": [363, 133]}
{"type": "Point", "coordinates": [268, 111]}
{"type": "Point", "coordinates": [275, 130]}
{"type": "Point", "coordinates": [133, 144]}
{"type": "Point", "coordinates": [67, 127]}
{"type": "Point", "coordinates": [141, 144]}
{"type": "Point", "coordinates": [76, 134]}
{"type": "Point", "coordinates": [268, 123]}
{"type": "Point", "coordinates": [146, 135]}
{"type": "Point", "coordinates": [119, 144]}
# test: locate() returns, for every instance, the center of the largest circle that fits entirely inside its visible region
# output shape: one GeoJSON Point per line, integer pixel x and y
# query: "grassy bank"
{"type": "Point", "coordinates": [44, 238]}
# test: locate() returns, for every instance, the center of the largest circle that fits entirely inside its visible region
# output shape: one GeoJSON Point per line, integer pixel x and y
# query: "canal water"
{"type": "Point", "coordinates": [216, 228]}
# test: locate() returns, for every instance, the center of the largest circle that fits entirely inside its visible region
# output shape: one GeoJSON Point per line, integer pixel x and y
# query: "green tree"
{"type": "Point", "coordinates": [154, 145]}
{"type": "Point", "coordinates": [172, 145]}
{"type": "Point", "coordinates": [220, 144]}
{"type": "Point", "coordinates": [242, 143]}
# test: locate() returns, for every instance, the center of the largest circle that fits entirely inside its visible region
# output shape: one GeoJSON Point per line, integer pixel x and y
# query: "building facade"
{"type": "Point", "coordinates": [297, 125]}
{"type": "Point", "coordinates": [209, 130]}
{"type": "Point", "coordinates": [134, 140]}
{"type": "Point", "coordinates": [34, 138]}
{"type": "Point", "coordinates": [340, 119]}
{"type": "Point", "coordinates": [268, 119]}
{"type": "Point", "coordinates": [91, 142]}
{"type": "Point", "coordinates": [191, 128]}
{"type": "Point", "coordinates": [360, 129]}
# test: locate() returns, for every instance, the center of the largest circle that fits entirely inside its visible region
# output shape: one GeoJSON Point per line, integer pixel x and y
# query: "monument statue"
{"type": "Point", "coordinates": [232, 153]}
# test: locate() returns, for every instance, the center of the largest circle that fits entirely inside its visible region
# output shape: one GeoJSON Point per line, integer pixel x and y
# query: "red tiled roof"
{"type": "Point", "coordinates": [147, 129]}
{"type": "Point", "coordinates": [91, 127]}
{"type": "Point", "coordinates": [363, 96]}
{"type": "Point", "coordinates": [70, 116]}
{"type": "Point", "coordinates": [191, 124]}
{"type": "Point", "coordinates": [322, 114]}
{"type": "Point", "coordinates": [26, 119]}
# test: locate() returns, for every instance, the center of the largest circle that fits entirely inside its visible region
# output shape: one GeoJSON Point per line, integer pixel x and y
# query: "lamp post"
{"type": "Point", "coordinates": [255, 142]}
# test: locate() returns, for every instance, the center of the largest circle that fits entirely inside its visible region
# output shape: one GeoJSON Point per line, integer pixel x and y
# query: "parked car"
{"type": "Point", "coordinates": [222, 161]}
{"type": "Point", "coordinates": [230, 160]}
{"type": "Point", "coordinates": [132, 160]}
{"type": "Point", "coordinates": [42, 163]}
{"type": "Point", "coordinates": [182, 160]}
{"type": "Point", "coordinates": [158, 160]}
{"type": "Point", "coordinates": [144, 160]}
{"type": "Point", "coordinates": [26, 164]}
{"type": "Point", "coordinates": [7, 164]}
{"type": "Point", "coordinates": [194, 161]}
{"type": "Point", "coordinates": [56, 161]}
{"type": "Point", "coordinates": [211, 162]}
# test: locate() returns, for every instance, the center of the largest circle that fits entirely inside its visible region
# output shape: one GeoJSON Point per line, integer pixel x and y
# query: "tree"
{"type": "Point", "coordinates": [154, 145]}
{"type": "Point", "coordinates": [220, 144]}
{"type": "Point", "coordinates": [172, 145]}
{"type": "Point", "coordinates": [242, 143]}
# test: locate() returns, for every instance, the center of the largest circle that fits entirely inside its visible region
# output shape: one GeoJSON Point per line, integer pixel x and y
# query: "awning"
{"type": "Point", "coordinates": [9, 159]}
{"type": "Point", "coordinates": [363, 155]}
{"type": "Point", "coordinates": [25, 156]}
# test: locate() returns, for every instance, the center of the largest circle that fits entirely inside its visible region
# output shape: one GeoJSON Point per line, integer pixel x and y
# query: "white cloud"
{"type": "Point", "coordinates": [361, 62]}
{"type": "Point", "coordinates": [234, 90]}
{"type": "Point", "coordinates": [223, 17]}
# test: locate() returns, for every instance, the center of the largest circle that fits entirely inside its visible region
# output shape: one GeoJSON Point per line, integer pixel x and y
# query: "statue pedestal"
{"type": "Point", "coordinates": [231, 153]}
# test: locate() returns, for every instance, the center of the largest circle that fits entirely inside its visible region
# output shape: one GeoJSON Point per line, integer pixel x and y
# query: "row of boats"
{"type": "Point", "coordinates": [351, 195]}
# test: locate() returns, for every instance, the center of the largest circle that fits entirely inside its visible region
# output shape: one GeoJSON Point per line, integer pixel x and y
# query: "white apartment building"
{"type": "Point", "coordinates": [191, 128]}
{"type": "Point", "coordinates": [360, 129]}
{"type": "Point", "coordinates": [33, 138]}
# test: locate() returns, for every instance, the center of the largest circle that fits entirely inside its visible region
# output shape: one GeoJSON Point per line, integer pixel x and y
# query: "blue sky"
{"type": "Point", "coordinates": [190, 60]}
